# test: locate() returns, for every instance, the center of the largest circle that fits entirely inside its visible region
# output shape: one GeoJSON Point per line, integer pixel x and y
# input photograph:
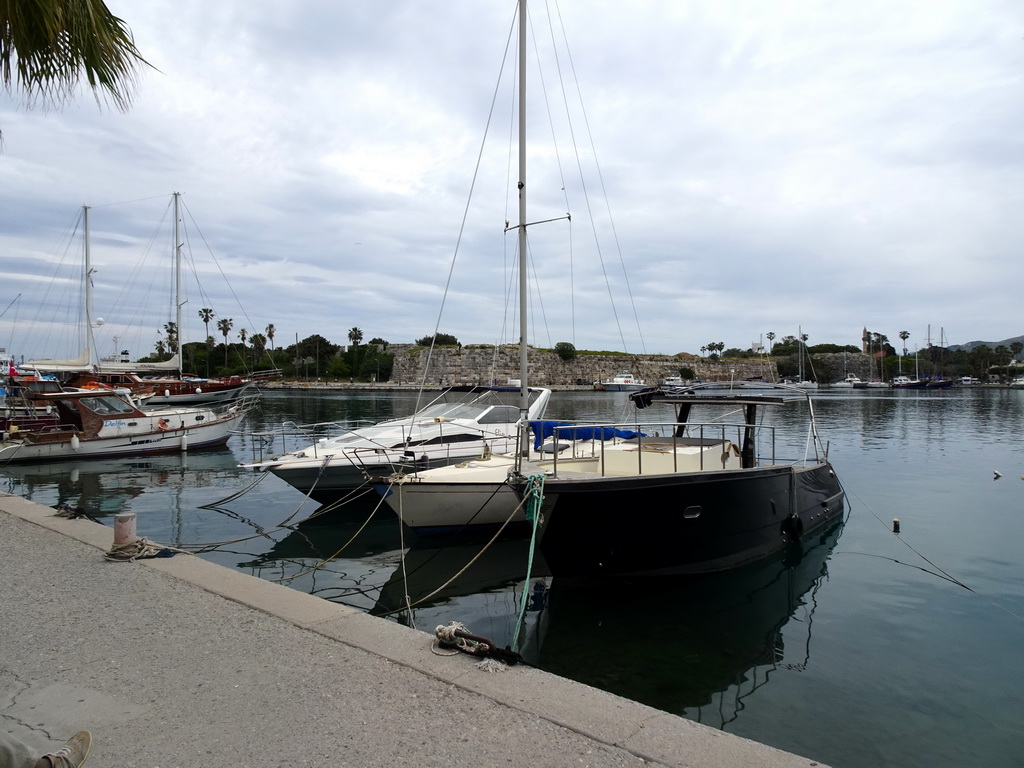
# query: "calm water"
{"type": "Point", "coordinates": [866, 649]}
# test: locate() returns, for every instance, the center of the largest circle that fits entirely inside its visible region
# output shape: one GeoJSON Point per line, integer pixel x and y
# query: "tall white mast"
{"type": "Point", "coordinates": [89, 342]}
{"type": "Point", "coordinates": [177, 279]}
{"type": "Point", "coordinates": [524, 393]}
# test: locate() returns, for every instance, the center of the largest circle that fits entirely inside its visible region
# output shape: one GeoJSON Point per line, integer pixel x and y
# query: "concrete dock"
{"type": "Point", "coordinates": [178, 662]}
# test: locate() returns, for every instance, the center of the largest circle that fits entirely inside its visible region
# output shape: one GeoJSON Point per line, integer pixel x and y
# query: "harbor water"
{"type": "Point", "coordinates": [861, 648]}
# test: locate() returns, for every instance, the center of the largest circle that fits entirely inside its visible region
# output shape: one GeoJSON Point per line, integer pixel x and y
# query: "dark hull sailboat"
{"type": "Point", "coordinates": [689, 502]}
{"type": "Point", "coordinates": [692, 523]}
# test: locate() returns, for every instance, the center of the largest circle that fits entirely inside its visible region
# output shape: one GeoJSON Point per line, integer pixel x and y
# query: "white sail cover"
{"type": "Point", "coordinates": [81, 363]}
{"type": "Point", "coordinates": [173, 364]}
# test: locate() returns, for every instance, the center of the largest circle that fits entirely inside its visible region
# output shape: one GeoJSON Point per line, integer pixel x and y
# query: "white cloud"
{"type": "Point", "coordinates": [765, 166]}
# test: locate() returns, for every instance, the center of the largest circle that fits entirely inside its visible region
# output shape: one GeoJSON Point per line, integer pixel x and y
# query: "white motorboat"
{"type": "Point", "coordinates": [462, 424]}
{"type": "Point", "coordinates": [621, 382]}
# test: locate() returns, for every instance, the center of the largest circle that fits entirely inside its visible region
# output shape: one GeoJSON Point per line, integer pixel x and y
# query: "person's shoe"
{"type": "Point", "coordinates": [71, 755]}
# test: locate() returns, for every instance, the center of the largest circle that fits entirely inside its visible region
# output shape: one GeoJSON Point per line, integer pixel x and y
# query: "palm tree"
{"type": "Point", "coordinates": [206, 315]}
{"type": "Point", "coordinates": [171, 329]}
{"type": "Point", "coordinates": [259, 346]}
{"type": "Point", "coordinates": [271, 330]}
{"type": "Point", "coordinates": [224, 325]}
{"type": "Point", "coordinates": [771, 337]}
{"type": "Point", "coordinates": [355, 335]}
{"type": "Point", "coordinates": [47, 46]}
{"type": "Point", "coordinates": [904, 335]}
{"type": "Point", "coordinates": [243, 335]}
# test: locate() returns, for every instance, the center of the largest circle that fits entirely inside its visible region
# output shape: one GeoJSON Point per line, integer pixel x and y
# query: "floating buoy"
{"type": "Point", "coordinates": [895, 525]}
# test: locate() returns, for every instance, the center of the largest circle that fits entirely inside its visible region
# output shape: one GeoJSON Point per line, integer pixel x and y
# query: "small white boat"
{"type": "Point", "coordinates": [850, 382]}
{"type": "Point", "coordinates": [1017, 383]}
{"type": "Point", "coordinates": [622, 382]}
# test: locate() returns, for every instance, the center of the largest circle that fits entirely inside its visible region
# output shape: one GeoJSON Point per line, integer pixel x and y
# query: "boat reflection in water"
{"type": "Point", "coordinates": [342, 558]}
{"type": "Point", "coordinates": [684, 645]}
{"type": "Point", "coordinates": [102, 487]}
{"type": "Point", "coordinates": [476, 582]}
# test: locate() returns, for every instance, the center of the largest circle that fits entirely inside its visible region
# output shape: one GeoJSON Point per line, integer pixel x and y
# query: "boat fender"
{"type": "Point", "coordinates": [793, 527]}
{"type": "Point", "coordinates": [75, 443]}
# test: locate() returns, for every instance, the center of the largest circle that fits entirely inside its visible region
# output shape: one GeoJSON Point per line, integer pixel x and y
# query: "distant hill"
{"type": "Point", "coordinates": [993, 344]}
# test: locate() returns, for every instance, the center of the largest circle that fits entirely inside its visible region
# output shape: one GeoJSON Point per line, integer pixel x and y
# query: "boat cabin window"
{"type": "Point", "coordinates": [445, 439]}
{"type": "Point", "coordinates": [500, 414]}
{"type": "Point", "coordinates": [450, 411]}
{"type": "Point", "coordinates": [106, 406]}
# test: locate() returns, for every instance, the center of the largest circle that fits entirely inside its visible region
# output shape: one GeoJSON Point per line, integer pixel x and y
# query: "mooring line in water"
{"type": "Point", "coordinates": [341, 549]}
{"type": "Point", "coordinates": [237, 494]}
{"type": "Point", "coordinates": [408, 605]}
{"type": "Point", "coordinates": [941, 573]}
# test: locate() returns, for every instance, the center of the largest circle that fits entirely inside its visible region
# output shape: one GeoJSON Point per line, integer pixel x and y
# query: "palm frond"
{"type": "Point", "coordinates": [48, 46]}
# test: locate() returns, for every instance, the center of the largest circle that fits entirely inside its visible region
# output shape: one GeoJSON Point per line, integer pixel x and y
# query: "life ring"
{"type": "Point", "coordinates": [163, 425]}
{"type": "Point", "coordinates": [793, 527]}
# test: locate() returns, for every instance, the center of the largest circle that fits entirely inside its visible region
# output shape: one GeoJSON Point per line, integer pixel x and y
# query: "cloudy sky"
{"type": "Point", "coordinates": [736, 168]}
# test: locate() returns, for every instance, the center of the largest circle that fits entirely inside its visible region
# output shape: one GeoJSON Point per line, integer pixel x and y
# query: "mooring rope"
{"type": "Point", "coordinates": [237, 494]}
{"type": "Point", "coordinates": [534, 498]}
{"type": "Point", "coordinates": [341, 549]}
{"type": "Point", "coordinates": [939, 572]}
{"type": "Point", "coordinates": [141, 549]}
{"type": "Point", "coordinates": [410, 605]}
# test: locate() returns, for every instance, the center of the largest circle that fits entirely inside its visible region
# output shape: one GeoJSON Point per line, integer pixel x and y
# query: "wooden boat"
{"type": "Point", "coordinates": [87, 424]}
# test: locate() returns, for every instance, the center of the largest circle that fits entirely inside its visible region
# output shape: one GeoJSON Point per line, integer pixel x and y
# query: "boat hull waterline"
{"type": "Point", "coordinates": [685, 524]}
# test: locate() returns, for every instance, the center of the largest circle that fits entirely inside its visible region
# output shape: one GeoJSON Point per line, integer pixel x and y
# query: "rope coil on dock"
{"type": "Point", "coordinates": [140, 549]}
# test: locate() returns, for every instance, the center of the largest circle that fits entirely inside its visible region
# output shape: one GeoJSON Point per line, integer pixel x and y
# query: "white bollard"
{"type": "Point", "coordinates": [124, 529]}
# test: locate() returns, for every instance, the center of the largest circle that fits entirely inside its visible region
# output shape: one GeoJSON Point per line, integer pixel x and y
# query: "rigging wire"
{"type": "Point", "coordinates": [603, 188]}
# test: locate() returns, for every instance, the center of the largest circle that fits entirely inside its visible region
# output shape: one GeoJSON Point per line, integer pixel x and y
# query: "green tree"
{"type": "Point", "coordinates": [566, 351]}
{"type": "Point", "coordinates": [270, 331]}
{"type": "Point", "coordinates": [47, 46]}
{"type": "Point", "coordinates": [355, 335]}
{"type": "Point", "coordinates": [771, 337]}
{"type": "Point", "coordinates": [438, 340]}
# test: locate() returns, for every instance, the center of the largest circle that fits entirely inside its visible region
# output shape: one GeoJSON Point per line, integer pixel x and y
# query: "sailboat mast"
{"type": "Point", "coordinates": [177, 279]}
{"type": "Point", "coordinates": [89, 343]}
{"type": "Point", "coordinates": [524, 391]}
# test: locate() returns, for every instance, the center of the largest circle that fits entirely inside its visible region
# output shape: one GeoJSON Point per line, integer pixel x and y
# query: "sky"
{"type": "Point", "coordinates": [730, 168]}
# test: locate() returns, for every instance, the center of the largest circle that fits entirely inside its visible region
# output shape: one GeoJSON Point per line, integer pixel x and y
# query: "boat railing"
{"type": "Point", "coordinates": [656, 440]}
{"type": "Point", "coordinates": [291, 436]}
{"type": "Point", "coordinates": [267, 375]}
{"type": "Point", "coordinates": [416, 457]}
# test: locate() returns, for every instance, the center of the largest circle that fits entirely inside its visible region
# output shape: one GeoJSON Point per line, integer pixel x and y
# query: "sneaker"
{"type": "Point", "coordinates": [71, 755]}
